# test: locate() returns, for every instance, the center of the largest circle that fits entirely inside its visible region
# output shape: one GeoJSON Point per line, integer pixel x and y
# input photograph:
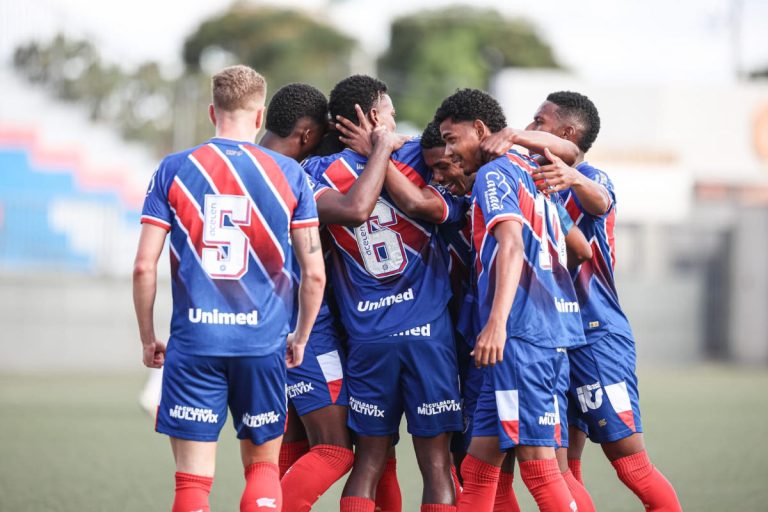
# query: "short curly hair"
{"type": "Point", "coordinates": [582, 111]}
{"type": "Point", "coordinates": [431, 138]}
{"type": "Point", "coordinates": [362, 90]}
{"type": "Point", "coordinates": [469, 105]}
{"type": "Point", "coordinates": [292, 102]}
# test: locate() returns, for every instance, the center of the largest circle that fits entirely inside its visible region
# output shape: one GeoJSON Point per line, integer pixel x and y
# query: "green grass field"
{"type": "Point", "coordinates": [81, 443]}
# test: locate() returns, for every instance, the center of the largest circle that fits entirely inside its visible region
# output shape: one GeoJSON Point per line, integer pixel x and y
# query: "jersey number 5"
{"type": "Point", "coordinates": [226, 254]}
{"type": "Point", "coordinates": [380, 247]}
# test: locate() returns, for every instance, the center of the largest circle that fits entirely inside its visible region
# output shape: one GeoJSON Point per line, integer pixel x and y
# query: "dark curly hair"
{"type": "Point", "coordinates": [362, 90]}
{"type": "Point", "coordinates": [582, 111]}
{"type": "Point", "coordinates": [471, 104]}
{"type": "Point", "coordinates": [292, 102]}
{"type": "Point", "coordinates": [430, 137]}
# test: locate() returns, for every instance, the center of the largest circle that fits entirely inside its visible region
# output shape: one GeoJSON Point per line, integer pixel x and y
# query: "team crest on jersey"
{"type": "Point", "coordinates": [497, 189]}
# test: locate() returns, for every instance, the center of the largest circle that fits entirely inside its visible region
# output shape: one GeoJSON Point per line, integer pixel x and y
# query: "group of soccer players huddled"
{"type": "Point", "coordinates": [470, 286]}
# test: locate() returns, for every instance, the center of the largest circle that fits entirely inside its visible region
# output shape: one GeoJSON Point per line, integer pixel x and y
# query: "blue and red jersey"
{"type": "Point", "coordinates": [389, 274]}
{"type": "Point", "coordinates": [230, 207]}
{"type": "Point", "coordinates": [545, 311]}
{"type": "Point", "coordinates": [594, 280]}
{"type": "Point", "coordinates": [457, 238]}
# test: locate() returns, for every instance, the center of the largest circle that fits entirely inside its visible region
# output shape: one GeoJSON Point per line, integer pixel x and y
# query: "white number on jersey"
{"type": "Point", "coordinates": [380, 247]}
{"type": "Point", "coordinates": [544, 208]}
{"type": "Point", "coordinates": [226, 254]}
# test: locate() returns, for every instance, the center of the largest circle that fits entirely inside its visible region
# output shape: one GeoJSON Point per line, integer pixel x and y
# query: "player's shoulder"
{"type": "Point", "coordinates": [410, 150]}
{"type": "Point", "coordinates": [316, 165]}
{"type": "Point", "coordinates": [595, 174]}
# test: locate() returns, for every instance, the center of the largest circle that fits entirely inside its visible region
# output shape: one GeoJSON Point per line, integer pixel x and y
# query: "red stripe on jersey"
{"type": "Point", "coordinates": [410, 173]}
{"type": "Point", "coordinates": [610, 224]}
{"type": "Point", "coordinates": [478, 235]}
{"type": "Point", "coordinates": [147, 219]}
{"type": "Point", "coordinates": [275, 175]}
{"type": "Point", "coordinates": [572, 208]}
{"type": "Point", "coordinates": [410, 235]}
{"type": "Point", "coordinates": [188, 214]}
{"type": "Point", "coordinates": [528, 209]}
{"type": "Point", "coordinates": [340, 176]}
{"type": "Point", "coordinates": [346, 242]}
{"type": "Point", "coordinates": [258, 233]}
{"type": "Point", "coordinates": [522, 162]}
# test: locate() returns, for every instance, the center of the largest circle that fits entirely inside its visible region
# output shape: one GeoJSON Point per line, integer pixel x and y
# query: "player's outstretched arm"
{"type": "Point", "coordinates": [144, 291]}
{"type": "Point", "coordinates": [354, 207]}
{"type": "Point", "coordinates": [309, 254]}
{"type": "Point", "coordinates": [414, 201]}
{"type": "Point", "coordinates": [489, 347]}
{"type": "Point", "coordinates": [533, 140]}
{"type": "Point", "coordinates": [557, 176]}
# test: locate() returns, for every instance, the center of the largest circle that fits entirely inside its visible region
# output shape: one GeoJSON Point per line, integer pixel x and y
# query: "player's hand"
{"type": "Point", "coordinates": [356, 136]}
{"type": "Point", "coordinates": [489, 347]}
{"type": "Point", "coordinates": [294, 353]}
{"type": "Point", "coordinates": [498, 143]}
{"type": "Point", "coordinates": [381, 136]}
{"type": "Point", "coordinates": [153, 354]}
{"type": "Point", "coordinates": [555, 176]}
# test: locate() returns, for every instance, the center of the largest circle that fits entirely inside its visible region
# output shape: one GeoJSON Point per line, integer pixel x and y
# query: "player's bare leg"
{"type": "Point", "coordinates": [329, 458]}
{"type": "Point", "coordinates": [577, 439]}
{"type": "Point", "coordinates": [295, 443]}
{"type": "Point", "coordinates": [434, 458]}
{"type": "Point", "coordinates": [262, 476]}
{"type": "Point", "coordinates": [370, 459]}
{"type": "Point", "coordinates": [195, 467]}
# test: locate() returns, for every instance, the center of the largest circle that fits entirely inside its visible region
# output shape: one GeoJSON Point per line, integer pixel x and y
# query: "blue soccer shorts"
{"type": "Point", "coordinates": [198, 389]}
{"type": "Point", "coordinates": [412, 372]}
{"type": "Point", "coordinates": [518, 398]}
{"type": "Point", "coordinates": [603, 396]}
{"type": "Point", "coordinates": [319, 381]}
{"type": "Point", "coordinates": [563, 386]}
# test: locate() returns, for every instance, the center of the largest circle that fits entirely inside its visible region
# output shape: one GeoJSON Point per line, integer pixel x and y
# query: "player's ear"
{"type": "Point", "coordinates": [212, 114]}
{"type": "Point", "coordinates": [569, 132]}
{"type": "Point", "coordinates": [481, 129]}
{"type": "Point", "coordinates": [373, 115]}
{"type": "Point", "coordinates": [259, 117]}
{"type": "Point", "coordinates": [306, 133]}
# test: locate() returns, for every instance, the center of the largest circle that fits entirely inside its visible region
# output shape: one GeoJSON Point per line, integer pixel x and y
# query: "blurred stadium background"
{"type": "Point", "coordinates": [84, 118]}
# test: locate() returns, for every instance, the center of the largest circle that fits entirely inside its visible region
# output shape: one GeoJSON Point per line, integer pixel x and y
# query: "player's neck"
{"type": "Point", "coordinates": [579, 159]}
{"type": "Point", "coordinates": [278, 144]}
{"type": "Point", "coordinates": [236, 129]}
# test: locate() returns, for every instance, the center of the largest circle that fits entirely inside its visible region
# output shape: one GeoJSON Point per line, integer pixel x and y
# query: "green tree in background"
{"type": "Point", "coordinates": [432, 53]}
{"type": "Point", "coordinates": [284, 45]}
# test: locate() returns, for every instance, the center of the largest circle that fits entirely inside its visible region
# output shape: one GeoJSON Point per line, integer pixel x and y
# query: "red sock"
{"type": "Point", "coordinates": [290, 453]}
{"type": "Point", "coordinates": [544, 480]}
{"type": "Point", "coordinates": [313, 474]}
{"type": "Point", "coordinates": [356, 504]}
{"type": "Point", "coordinates": [575, 466]}
{"type": "Point", "coordinates": [579, 492]}
{"type": "Point", "coordinates": [192, 493]}
{"type": "Point", "coordinates": [388, 497]}
{"type": "Point", "coordinates": [456, 482]}
{"type": "Point", "coordinates": [437, 507]}
{"type": "Point", "coordinates": [480, 481]}
{"type": "Point", "coordinates": [262, 488]}
{"type": "Point", "coordinates": [647, 482]}
{"type": "Point", "coordinates": [506, 501]}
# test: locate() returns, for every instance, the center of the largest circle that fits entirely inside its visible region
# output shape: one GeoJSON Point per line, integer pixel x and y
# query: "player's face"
{"type": "Point", "coordinates": [462, 144]}
{"type": "Point", "coordinates": [444, 171]}
{"type": "Point", "coordinates": [546, 120]}
{"type": "Point", "coordinates": [383, 112]}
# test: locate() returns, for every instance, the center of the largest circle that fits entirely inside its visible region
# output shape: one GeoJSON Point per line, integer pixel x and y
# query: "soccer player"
{"type": "Point", "coordinates": [390, 278]}
{"type": "Point", "coordinates": [236, 213]}
{"type": "Point", "coordinates": [296, 120]}
{"type": "Point", "coordinates": [604, 401]}
{"type": "Point", "coordinates": [527, 308]}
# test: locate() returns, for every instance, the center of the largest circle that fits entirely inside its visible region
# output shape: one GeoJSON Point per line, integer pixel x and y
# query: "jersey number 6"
{"type": "Point", "coordinates": [380, 247]}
